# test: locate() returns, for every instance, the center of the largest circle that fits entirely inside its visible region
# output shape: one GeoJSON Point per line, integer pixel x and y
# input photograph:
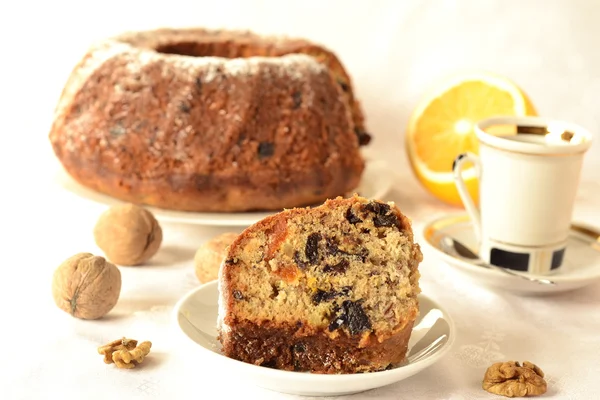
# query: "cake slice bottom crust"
{"type": "Point", "coordinates": [280, 348]}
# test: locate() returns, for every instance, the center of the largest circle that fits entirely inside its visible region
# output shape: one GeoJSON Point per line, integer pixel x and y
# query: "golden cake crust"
{"type": "Point", "coordinates": [200, 120]}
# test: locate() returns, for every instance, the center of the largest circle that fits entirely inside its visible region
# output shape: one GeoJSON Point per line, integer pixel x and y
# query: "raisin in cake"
{"type": "Point", "coordinates": [332, 289]}
{"type": "Point", "coordinates": [205, 120]}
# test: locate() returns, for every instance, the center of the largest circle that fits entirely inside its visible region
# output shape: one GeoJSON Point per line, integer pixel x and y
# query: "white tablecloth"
{"type": "Point", "coordinates": [47, 352]}
{"type": "Point", "coordinates": [394, 50]}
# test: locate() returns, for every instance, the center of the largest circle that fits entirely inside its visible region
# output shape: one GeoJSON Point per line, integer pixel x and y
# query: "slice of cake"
{"type": "Point", "coordinates": [332, 289]}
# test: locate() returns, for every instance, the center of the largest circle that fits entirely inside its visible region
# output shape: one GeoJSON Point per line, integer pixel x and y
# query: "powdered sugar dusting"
{"type": "Point", "coordinates": [295, 66]}
{"type": "Point", "coordinates": [94, 59]}
{"type": "Point", "coordinates": [131, 78]}
{"type": "Point", "coordinates": [140, 59]}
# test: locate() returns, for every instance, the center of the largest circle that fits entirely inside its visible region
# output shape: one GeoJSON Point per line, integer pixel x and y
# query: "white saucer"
{"type": "Point", "coordinates": [580, 268]}
{"type": "Point", "coordinates": [195, 319]}
{"type": "Point", "coordinates": [376, 182]}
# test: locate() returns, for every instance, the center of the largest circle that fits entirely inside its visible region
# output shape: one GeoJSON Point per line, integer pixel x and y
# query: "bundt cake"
{"type": "Point", "coordinates": [330, 289]}
{"type": "Point", "coordinates": [202, 120]}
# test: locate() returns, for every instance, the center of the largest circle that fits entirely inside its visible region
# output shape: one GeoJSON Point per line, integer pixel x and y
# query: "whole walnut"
{"type": "Point", "coordinates": [86, 286]}
{"type": "Point", "coordinates": [209, 256]}
{"type": "Point", "coordinates": [128, 234]}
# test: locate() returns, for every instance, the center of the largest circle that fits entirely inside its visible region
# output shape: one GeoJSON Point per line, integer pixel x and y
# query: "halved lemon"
{"type": "Point", "coordinates": [442, 126]}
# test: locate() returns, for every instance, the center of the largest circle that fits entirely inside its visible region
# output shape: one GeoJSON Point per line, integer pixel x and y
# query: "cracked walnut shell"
{"type": "Point", "coordinates": [128, 234]}
{"type": "Point", "coordinates": [210, 255]}
{"type": "Point", "coordinates": [86, 286]}
{"type": "Point", "coordinates": [125, 353]}
{"type": "Point", "coordinates": [512, 379]}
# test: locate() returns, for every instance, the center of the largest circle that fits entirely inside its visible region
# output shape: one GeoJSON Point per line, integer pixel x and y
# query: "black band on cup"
{"type": "Point", "coordinates": [520, 261]}
{"type": "Point", "coordinates": [557, 258]}
{"type": "Point", "coordinates": [509, 259]}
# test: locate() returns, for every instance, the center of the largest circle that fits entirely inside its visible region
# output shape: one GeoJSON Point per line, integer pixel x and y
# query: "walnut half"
{"type": "Point", "coordinates": [125, 353]}
{"type": "Point", "coordinates": [512, 379]}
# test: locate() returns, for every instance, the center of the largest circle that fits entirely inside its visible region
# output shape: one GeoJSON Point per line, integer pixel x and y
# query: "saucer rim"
{"type": "Point", "coordinates": [581, 230]}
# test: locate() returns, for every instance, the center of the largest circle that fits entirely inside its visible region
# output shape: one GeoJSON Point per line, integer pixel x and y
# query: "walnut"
{"type": "Point", "coordinates": [86, 286]}
{"type": "Point", "coordinates": [120, 344]}
{"type": "Point", "coordinates": [510, 379]}
{"type": "Point", "coordinates": [125, 353]}
{"type": "Point", "coordinates": [209, 256]}
{"type": "Point", "coordinates": [128, 234]}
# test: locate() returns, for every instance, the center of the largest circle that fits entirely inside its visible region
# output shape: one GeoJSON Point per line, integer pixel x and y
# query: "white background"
{"type": "Point", "coordinates": [394, 51]}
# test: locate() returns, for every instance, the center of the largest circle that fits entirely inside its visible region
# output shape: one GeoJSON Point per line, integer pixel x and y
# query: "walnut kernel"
{"type": "Point", "coordinates": [210, 255]}
{"type": "Point", "coordinates": [120, 344]}
{"type": "Point", "coordinates": [86, 286]}
{"type": "Point", "coordinates": [128, 234]}
{"type": "Point", "coordinates": [125, 353]}
{"type": "Point", "coordinates": [512, 379]}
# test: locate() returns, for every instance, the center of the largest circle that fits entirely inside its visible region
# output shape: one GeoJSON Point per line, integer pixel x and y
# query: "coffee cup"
{"type": "Point", "coordinates": [529, 170]}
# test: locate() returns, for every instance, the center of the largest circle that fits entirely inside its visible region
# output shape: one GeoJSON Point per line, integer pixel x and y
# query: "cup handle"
{"type": "Point", "coordinates": [470, 206]}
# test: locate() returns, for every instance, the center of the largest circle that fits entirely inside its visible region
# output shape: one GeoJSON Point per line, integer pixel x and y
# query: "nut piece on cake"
{"type": "Point", "coordinates": [86, 286]}
{"type": "Point", "coordinates": [511, 379]}
{"type": "Point", "coordinates": [210, 255]}
{"type": "Point", "coordinates": [331, 289]}
{"type": "Point", "coordinates": [128, 234]}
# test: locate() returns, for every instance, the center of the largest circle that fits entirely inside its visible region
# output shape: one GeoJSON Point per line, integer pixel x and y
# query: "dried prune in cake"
{"type": "Point", "coordinates": [352, 316]}
{"type": "Point", "coordinates": [299, 348]}
{"type": "Point", "coordinates": [298, 260]}
{"type": "Point", "coordinates": [297, 97]}
{"type": "Point", "coordinates": [331, 245]}
{"type": "Point", "coordinates": [265, 150]}
{"type": "Point", "coordinates": [332, 248]}
{"type": "Point", "coordinates": [184, 107]}
{"type": "Point", "coordinates": [343, 85]}
{"type": "Point", "coordinates": [351, 217]}
{"type": "Point", "coordinates": [338, 268]}
{"type": "Point", "coordinates": [383, 214]}
{"type": "Point", "coordinates": [364, 138]}
{"type": "Point", "coordinates": [312, 247]}
{"type": "Point", "coordinates": [322, 295]}
{"type": "Point", "coordinates": [269, 364]}
{"type": "Point", "coordinates": [348, 294]}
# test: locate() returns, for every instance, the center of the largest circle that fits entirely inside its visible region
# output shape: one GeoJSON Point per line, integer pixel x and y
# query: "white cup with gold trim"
{"type": "Point", "coordinates": [528, 170]}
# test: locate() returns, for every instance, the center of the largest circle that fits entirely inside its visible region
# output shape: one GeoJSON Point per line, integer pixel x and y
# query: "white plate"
{"type": "Point", "coordinates": [580, 268]}
{"type": "Point", "coordinates": [195, 319]}
{"type": "Point", "coordinates": [376, 182]}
